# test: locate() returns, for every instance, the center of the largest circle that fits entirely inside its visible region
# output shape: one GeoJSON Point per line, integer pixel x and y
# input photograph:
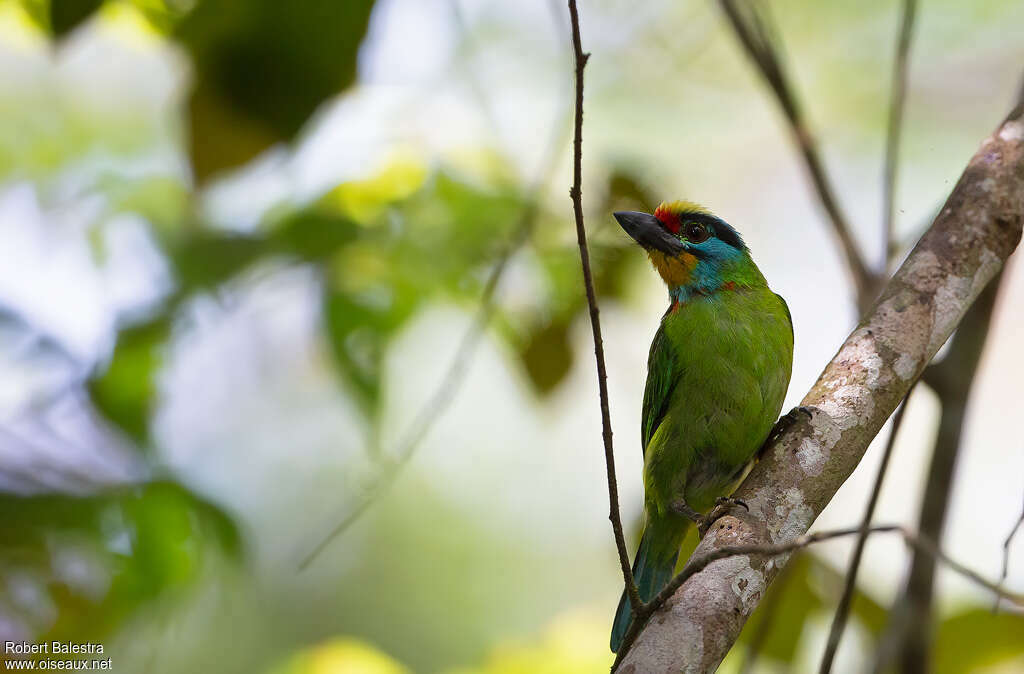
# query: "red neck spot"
{"type": "Point", "coordinates": [669, 219]}
{"type": "Point", "coordinates": [731, 285]}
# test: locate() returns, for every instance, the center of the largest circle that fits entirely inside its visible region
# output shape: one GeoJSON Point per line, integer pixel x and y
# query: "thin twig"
{"type": "Point", "coordinates": [698, 564]}
{"type": "Point", "coordinates": [846, 600]}
{"type": "Point", "coordinates": [759, 42]}
{"type": "Point", "coordinates": [452, 380]}
{"type": "Point", "coordinates": [443, 394]}
{"type": "Point", "coordinates": [892, 139]}
{"type": "Point", "coordinates": [1006, 553]}
{"type": "Point", "coordinates": [576, 194]}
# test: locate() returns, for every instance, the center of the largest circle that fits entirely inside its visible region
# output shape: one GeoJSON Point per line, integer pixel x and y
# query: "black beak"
{"type": "Point", "coordinates": [648, 231]}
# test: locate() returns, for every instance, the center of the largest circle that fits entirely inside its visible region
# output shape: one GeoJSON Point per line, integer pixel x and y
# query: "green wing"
{"type": "Point", "coordinates": [661, 380]}
{"type": "Point", "coordinates": [789, 316]}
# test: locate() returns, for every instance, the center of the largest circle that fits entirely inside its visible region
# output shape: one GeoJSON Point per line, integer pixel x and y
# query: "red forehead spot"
{"type": "Point", "coordinates": [669, 219]}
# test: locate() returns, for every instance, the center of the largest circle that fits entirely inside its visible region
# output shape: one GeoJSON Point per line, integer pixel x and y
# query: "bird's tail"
{"type": "Point", "coordinates": [652, 569]}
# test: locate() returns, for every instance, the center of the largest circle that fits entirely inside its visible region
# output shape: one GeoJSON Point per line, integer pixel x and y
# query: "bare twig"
{"type": "Point", "coordinates": [700, 562]}
{"type": "Point", "coordinates": [449, 385]}
{"type": "Point", "coordinates": [443, 394]}
{"type": "Point", "coordinates": [892, 139]}
{"type": "Point", "coordinates": [1006, 552]}
{"type": "Point", "coordinates": [576, 194]}
{"type": "Point", "coordinates": [760, 44]}
{"type": "Point", "coordinates": [845, 601]}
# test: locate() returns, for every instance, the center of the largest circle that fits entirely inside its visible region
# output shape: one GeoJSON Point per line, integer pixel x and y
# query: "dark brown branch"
{"type": "Point", "coordinates": [576, 194]}
{"type": "Point", "coordinates": [892, 139]}
{"type": "Point", "coordinates": [759, 43]}
{"type": "Point", "coordinates": [846, 600]}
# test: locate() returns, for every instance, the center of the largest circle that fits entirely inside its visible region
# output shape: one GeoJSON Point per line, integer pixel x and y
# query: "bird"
{"type": "Point", "coordinates": [717, 375]}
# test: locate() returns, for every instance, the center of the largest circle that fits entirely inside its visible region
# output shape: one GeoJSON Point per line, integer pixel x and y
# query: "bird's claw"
{"type": "Point", "coordinates": [730, 501]}
{"type": "Point", "coordinates": [784, 423]}
{"type": "Point", "coordinates": [723, 504]}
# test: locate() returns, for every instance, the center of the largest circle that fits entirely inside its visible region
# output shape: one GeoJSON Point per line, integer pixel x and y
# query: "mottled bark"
{"type": "Point", "coordinates": [976, 230]}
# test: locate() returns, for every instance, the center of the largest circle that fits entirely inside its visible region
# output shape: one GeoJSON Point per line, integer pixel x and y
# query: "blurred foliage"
{"type": "Point", "coordinates": [575, 643]}
{"type": "Point", "coordinates": [977, 638]}
{"type": "Point", "coordinates": [384, 247]}
{"type": "Point", "coordinates": [65, 15]}
{"type": "Point", "coordinates": [60, 17]}
{"type": "Point", "coordinates": [262, 68]}
{"type": "Point", "coordinates": [340, 656]}
{"type": "Point", "coordinates": [808, 587]}
{"type": "Point", "coordinates": [125, 390]}
{"type": "Point", "coordinates": [387, 245]}
{"type": "Point", "coordinates": [95, 559]}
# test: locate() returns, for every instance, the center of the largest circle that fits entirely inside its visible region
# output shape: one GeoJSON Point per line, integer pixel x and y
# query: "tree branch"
{"type": "Point", "coordinates": [974, 233]}
{"type": "Point", "coordinates": [892, 139]}
{"type": "Point", "coordinates": [759, 44]}
{"type": "Point", "coordinates": [576, 193]}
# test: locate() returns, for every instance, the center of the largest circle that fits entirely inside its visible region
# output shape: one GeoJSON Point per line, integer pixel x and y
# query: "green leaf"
{"type": "Point", "coordinates": [136, 543]}
{"type": "Point", "coordinates": [314, 234]}
{"type": "Point", "coordinates": [358, 328]}
{"type": "Point", "coordinates": [125, 391]}
{"type": "Point", "coordinates": [66, 15]}
{"type": "Point", "coordinates": [547, 356]}
{"type": "Point", "coordinates": [262, 68]}
{"type": "Point", "coordinates": [976, 639]}
{"type": "Point", "coordinates": [207, 259]}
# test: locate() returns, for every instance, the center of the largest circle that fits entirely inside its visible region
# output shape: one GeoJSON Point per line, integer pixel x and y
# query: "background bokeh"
{"type": "Point", "coordinates": [242, 241]}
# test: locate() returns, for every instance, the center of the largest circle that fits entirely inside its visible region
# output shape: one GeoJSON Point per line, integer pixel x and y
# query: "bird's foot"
{"type": "Point", "coordinates": [723, 504]}
{"type": "Point", "coordinates": [784, 423]}
{"type": "Point", "coordinates": [680, 507]}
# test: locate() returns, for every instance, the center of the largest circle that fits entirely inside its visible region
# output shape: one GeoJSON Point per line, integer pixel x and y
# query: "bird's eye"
{"type": "Point", "coordinates": [696, 232]}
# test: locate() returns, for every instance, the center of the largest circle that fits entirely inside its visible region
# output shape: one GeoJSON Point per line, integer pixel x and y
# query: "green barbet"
{"type": "Point", "coordinates": [717, 375]}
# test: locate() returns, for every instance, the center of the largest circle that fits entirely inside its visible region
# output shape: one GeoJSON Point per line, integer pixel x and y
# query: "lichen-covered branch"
{"type": "Point", "coordinates": [966, 246]}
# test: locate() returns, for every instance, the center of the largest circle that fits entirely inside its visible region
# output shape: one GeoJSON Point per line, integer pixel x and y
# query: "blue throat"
{"type": "Point", "coordinates": [714, 260]}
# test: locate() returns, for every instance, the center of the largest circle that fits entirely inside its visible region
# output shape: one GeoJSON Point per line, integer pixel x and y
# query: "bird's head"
{"type": "Point", "coordinates": [692, 249]}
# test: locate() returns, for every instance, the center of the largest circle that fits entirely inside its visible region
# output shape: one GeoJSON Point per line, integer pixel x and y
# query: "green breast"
{"type": "Point", "coordinates": [723, 373]}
